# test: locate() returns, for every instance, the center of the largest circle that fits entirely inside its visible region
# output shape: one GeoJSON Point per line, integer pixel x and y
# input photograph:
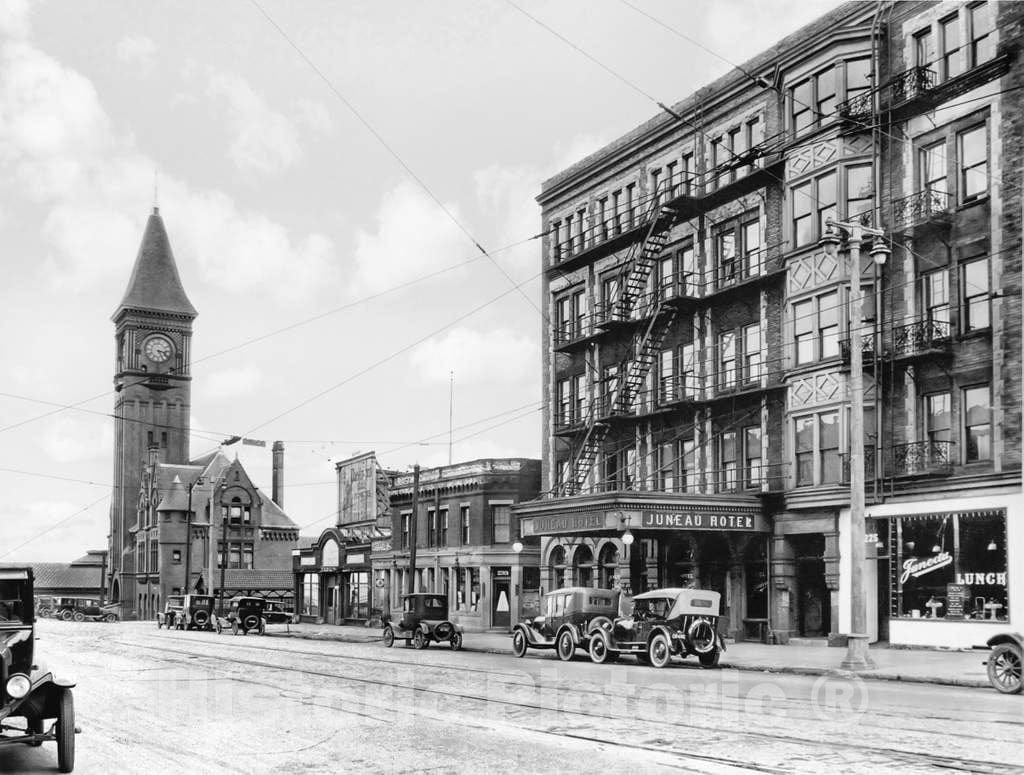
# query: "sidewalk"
{"type": "Point", "coordinates": [933, 666]}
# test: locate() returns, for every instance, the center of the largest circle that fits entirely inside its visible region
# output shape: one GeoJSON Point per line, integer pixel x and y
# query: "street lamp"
{"type": "Point", "coordinates": [627, 537]}
{"type": "Point", "coordinates": [188, 536]}
{"type": "Point", "coordinates": [517, 547]}
{"type": "Point", "coordinates": [857, 640]}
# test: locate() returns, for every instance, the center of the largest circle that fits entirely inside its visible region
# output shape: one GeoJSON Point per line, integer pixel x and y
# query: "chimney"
{"type": "Point", "coordinates": [277, 481]}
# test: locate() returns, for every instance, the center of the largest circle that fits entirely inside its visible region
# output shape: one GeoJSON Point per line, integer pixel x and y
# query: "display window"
{"type": "Point", "coordinates": [950, 566]}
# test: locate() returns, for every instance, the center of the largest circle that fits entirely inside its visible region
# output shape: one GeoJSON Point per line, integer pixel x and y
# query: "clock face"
{"type": "Point", "coordinates": [158, 349]}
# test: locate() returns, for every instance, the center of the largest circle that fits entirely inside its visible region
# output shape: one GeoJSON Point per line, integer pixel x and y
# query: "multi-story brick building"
{"type": "Point", "coordinates": [156, 484]}
{"type": "Point", "coordinates": [697, 377]}
{"type": "Point", "coordinates": [466, 541]}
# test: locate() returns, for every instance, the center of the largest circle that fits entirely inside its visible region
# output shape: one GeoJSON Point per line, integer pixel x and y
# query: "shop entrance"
{"type": "Point", "coordinates": [501, 613]}
{"type": "Point", "coordinates": [814, 606]}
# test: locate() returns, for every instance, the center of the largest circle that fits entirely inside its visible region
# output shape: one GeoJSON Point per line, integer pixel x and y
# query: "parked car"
{"type": "Point", "coordinates": [174, 605]}
{"type": "Point", "coordinates": [82, 609]}
{"type": "Point", "coordinates": [568, 617]}
{"type": "Point", "coordinates": [45, 606]}
{"type": "Point", "coordinates": [197, 614]}
{"type": "Point", "coordinates": [277, 613]}
{"type": "Point", "coordinates": [1004, 663]}
{"type": "Point", "coordinates": [26, 690]}
{"type": "Point", "coordinates": [664, 623]}
{"type": "Point", "coordinates": [247, 613]}
{"type": "Point", "coordinates": [422, 620]}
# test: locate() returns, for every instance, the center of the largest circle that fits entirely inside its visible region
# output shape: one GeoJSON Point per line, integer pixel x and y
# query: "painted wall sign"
{"type": "Point", "coordinates": [696, 520]}
{"type": "Point", "coordinates": [381, 545]}
{"type": "Point", "coordinates": [564, 523]}
{"type": "Point", "coordinates": [355, 559]}
{"type": "Point", "coordinates": [997, 579]}
{"type": "Point", "coordinates": [307, 561]}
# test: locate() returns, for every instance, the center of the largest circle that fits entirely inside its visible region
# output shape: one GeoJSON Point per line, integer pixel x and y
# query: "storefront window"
{"type": "Point", "coordinates": [310, 594]}
{"type": "Point", "coordinates": [950, 566]}
{"type": "Point", "coordinates": [474, 589]}
{"type": "Point", "coordinates": [358, 602]}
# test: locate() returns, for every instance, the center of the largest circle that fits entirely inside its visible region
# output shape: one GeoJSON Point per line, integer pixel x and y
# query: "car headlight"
{"type": "Point", "coordinates": [18, 686]}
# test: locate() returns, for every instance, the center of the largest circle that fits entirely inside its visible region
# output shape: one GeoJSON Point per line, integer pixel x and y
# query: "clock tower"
{"type": "Point", "coordinates": [152, 380]}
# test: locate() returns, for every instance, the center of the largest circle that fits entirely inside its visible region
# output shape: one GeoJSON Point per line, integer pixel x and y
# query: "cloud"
{"type": "Point", "coordinates": [14, 18]}
{"type": "Point", "coordinates": [59, 146]}
{"type": "Point", "coordinates": [413, 237]}
{"type": "Point", "coordinates": [314, 115]}
{"type": "Point", "coordinates": [500, 355]}
{"type": "Point", "coordinates": [231, 383]}
{"type": "Point", "coordinates": [138, 51]}
{"type": "Point", "coordinates": [265, 141]}
{"type": "Point", "coordinates": [30, 524]}
{"type": "Point", "coordinates": [74, 439]}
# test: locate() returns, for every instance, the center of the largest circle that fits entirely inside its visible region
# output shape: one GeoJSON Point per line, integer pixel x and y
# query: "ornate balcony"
{"type": "Point", "coordinates": [929, 207]}
{"type": "Point", "coordinates": [567, 423]}
{"type": "Point", "coordinates": [867, 349]}
{"type": "Point", "coordinates": [922, 458]}
{"type": "Point", "coordinates": [923, 338]}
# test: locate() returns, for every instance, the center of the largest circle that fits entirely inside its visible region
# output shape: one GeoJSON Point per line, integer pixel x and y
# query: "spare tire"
{"type": "Point", "coordinates": [701, 636]}
{"type": "Point", "coordinates": [201, 618]}
{"type": "Point", "coordinates": [250, 622]}
{"type": "Point", "coordinates": [443, 631]}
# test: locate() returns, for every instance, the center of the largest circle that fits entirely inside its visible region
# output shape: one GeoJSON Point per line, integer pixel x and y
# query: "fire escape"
{"type": "Point", "coordinates": [658, 221]}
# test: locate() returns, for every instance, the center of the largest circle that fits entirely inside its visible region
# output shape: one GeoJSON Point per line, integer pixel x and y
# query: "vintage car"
{"type": "Point", "coordinates": [422, 619]}
{"type": "Point", "coordinates": [276, 613]}
{"type": "Point", "coordinates": [1004, 663]}
{"type": "Point", "coordinates": [664, 623]}
{"type": "Point", "coordinates": [174, 605]}
{"type": "Point", "coordinates": [82, 609]}
{"type": "Point", "coordinates": [197, 614]}
{"type": "Point", "coordinates": [27, 691]}
{"type": "Point", "coordinates": [568, 617]}
{"type": "Point", "coordinates": [247, 613]}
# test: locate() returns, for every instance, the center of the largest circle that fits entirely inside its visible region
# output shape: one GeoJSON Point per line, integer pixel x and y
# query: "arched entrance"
{"type": "Point", "coordinates": [608, 564]}
{"type": "Point", "coordinates": [583, 567]}
{"type": "Point", "coordinates": [115, 591]}
{"type": "Point", "coordinates": [556, 563]}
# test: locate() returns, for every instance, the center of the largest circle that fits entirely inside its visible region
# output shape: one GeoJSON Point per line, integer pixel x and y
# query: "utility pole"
{"type": "Point", "coordinates": [857, 657]}
{"type": "Point", "coordinates": [451, 413]}
{"type": "Point", "coordinates": [188, 537]}
{"type": "Point", "coordinates": [225, 554]}
{"type": "Point", "coordinates": [410, 585]}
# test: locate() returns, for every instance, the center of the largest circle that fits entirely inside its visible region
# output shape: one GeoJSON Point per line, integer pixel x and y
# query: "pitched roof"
{"type": "Point", "coordinates": [308, 542]}
{"type": "Point", "coordinates": [176, 497]}
{"type": "Point", "coordinates": [62, 575]}
{"type": "Point", "coordinates": [155, 283]}
{"type": "Point", "coordinates": [258, 579]}
{"type": "Point", "coordinates": [273, 516]}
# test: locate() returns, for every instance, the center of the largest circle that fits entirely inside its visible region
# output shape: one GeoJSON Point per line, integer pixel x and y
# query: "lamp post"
{"type": "Point", "coordinates": [857, 643]}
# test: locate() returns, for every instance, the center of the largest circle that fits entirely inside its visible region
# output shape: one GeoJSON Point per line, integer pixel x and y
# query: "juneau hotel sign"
{"type": "Point", "coordinates": [730, 520]}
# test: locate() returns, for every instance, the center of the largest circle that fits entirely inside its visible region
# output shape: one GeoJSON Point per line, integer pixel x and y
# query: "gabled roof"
{"type": "Point", "coordinates": [273, 516]}
{"type": "Point", "coordinates": [258, 579]}
{"type": "Point", "coordinates": [175, 498]}
{"type": "Point", "coordinates": [155, 283]}
{"type": "Point", "coordinates": [61, 575]}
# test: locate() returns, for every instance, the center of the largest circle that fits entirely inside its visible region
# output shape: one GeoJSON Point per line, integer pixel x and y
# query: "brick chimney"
{"type": "Point", "coordinates": [277, 481]}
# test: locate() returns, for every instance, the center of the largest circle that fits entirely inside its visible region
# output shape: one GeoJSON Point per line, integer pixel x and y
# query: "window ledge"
{"type": "Point", "coordinates": [977, 333]}
{"type": "Point", "coordinates": [978, 200]}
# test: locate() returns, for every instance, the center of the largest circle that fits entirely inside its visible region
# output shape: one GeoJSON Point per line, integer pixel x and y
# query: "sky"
{"type": "Point", "coordinates": [331, 256]}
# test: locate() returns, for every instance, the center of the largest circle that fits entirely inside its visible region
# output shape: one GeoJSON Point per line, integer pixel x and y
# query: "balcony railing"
{"type": "Point", "coordinates": [746, 268]}
{"type": "Point", "coordinates": [922, 457]}
{"type": "Point", "coordinates": [679, 388]}
{"type": "Point", "coordinates": [563, 422]}
{"type": "Point", "coordinates": [867, 349]}
{"type": "Point", "coordinates": [923, 337]}
{"type": "Point", "coordinates": [911, 84]}
{"type": "Point", "coordinates": [571, 331]}
{"type": "Point", "coordinates": [919, 208]}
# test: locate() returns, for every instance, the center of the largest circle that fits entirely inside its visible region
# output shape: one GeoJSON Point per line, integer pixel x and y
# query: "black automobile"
{"type": "Point", "coordinates": [568, 618]}
{"type": "Point", "coordinates": [423, 619]}
{"type": "Point", "coordinates": [174, 606]}
{"type": "Point", "coordinates": [247, 613]}
{"type": "Point", "coordinates": [664, 623]}
{"type": "Point", "coordinates": [1004, 663]}
{"type": "Point", "coordinates": [27, 691]}
{"type": "Point", "coordinates": [81, 609]}
{"type": "Point", "coordinates": [197, 614]}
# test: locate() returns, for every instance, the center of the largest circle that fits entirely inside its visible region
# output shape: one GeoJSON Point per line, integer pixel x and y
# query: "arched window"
{"type": "Point", "coordinates": [608, 563]}
{"type": "Point", "coordinates": [330, 556]}
{"type": "Point", "coordinates": [557, 564]}
{"type": "Point", "coordinates": [583, 567]}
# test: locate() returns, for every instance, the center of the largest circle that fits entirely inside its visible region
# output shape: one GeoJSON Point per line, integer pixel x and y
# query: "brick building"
{"type": "Point", "coordinates": [466, 541]}
{"type": "Point", "coordinates": [155, 481]}
{"type": "Point", "coordinates": [696, 377]}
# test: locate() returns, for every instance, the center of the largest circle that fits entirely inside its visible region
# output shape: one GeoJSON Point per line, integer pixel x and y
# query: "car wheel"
{"type": "Point", "coordinates": [67, 616]}
{"type": "Point", "coordinates": [389, 637]}
{"type": "Point", "coordinates": [566, 646]}
{"type": "Point", "coordinates": [262, 628]}
{"type": "Point", "coordinates": [159, 623]}
{"type": "Point", "coordinates": [66, 732]}
{"type": "Point", "coordinates": [218, 626]}
{"type": "Point", "coordinates": [659, 650]}
{"type": "Point", "coordinates": [79, 616]}
{"type": "Point", "coordinates": [701, 636]}
{"type": "Point", "coordinates": [1004, 669]}
{"type": "Point", "coordinates": [599, 651]}
{"type": "Point", "coordinates": [455, 644]}
{"type": "Point", "coordinates": [710, 659]}
{"type": "Point", "coordinates": [419, 641]}
{"type": "Point", "coordinates": [110, 618]}
{"type": "Point", "coordinates": [251, 622]}
{"type": "Point", "coordinates": [201, 618]}
{"type": "Point", "coordinates": [35, 727]}
{"type": "Point", "coordinates": [519, 646]}
{"type": "Point", "coordinates": [234, 628]}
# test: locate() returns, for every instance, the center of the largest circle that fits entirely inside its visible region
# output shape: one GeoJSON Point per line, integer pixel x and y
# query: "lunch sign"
{"type": "Point", "coordinates": [733, 520]}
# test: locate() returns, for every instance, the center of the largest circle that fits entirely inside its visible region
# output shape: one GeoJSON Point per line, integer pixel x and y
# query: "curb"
{"type": "Point", "coordinates": [968, 683]}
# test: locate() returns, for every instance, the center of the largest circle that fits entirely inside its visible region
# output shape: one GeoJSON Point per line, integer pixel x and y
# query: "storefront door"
{"type": "Point", "coordinates": [501, 613]}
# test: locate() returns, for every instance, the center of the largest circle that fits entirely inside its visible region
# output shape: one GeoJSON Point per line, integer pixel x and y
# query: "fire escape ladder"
{"type": "Point", "coordinates": [646, 347]}
{"type": "Point", "coordinates": [642, 257]}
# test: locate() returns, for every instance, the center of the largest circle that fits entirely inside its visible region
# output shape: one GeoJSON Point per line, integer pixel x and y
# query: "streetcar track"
{"type": "Point", "coordinates": [945, 762]}
{"type": "Point", "coordinates": [794, 704]}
